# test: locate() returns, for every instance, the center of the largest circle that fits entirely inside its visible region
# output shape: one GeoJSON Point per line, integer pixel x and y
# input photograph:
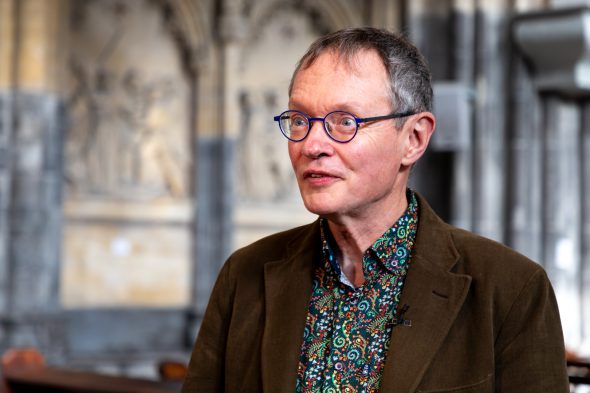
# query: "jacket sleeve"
{"type": "Point", "coordinates": [206, 368]}
{"type": "Point", "coordinates": [529, 348]}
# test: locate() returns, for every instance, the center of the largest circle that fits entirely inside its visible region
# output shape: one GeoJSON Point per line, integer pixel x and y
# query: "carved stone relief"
{"type": "Point", "coordinates": [128, 135]}
{"type": "Point", "coordinates": [264, 173]}
{"type": "Point", "coordinates": [127, 232]}
{"type": "Point", "coordinates": [265, 68]}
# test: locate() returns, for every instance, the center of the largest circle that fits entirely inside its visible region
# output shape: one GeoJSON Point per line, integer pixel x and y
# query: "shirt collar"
{"type": "Point", "coordinates": [393, 247]}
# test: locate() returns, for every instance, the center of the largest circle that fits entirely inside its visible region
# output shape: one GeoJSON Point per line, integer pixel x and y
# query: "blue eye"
{"type": "Point", "coordinates": [347, 122]}
{"type": "Point", "coordinates": [341, 122]}
{"type": "Point", "coordinates": [298, 121]}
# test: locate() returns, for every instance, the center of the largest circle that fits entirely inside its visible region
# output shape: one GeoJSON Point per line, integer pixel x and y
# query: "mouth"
{"type": "Point", "coordinates": [316, 174]}
{"type": "Point", "coordinates": [319, 177]}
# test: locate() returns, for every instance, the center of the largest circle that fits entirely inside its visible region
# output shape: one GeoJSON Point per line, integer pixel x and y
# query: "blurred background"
{"type": "Point", "coordinates": [137, 151]}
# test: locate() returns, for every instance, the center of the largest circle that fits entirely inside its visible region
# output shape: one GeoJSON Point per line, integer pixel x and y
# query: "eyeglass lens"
{"type": "Point", "coordinates": [341, 126]}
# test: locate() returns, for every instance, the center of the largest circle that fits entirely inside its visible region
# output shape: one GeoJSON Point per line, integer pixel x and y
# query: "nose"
{"type": "Point", "coordinates": [317, 143]}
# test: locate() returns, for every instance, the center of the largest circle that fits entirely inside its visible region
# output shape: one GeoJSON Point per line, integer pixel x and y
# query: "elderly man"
{"type": "Point", "coordinates": [378, 294]}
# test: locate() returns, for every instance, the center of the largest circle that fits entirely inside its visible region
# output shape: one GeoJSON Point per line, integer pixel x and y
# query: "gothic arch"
{"type": "Point", "coordinates": [329, 15]}
{"type": "Point", "coordinates": [189, 22]}
{"type": "Point", "coordinates": [339, 14]}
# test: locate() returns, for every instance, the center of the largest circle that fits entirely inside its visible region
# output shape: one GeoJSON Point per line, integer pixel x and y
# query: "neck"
{"type": "Point", "coordinates": [355, 234]}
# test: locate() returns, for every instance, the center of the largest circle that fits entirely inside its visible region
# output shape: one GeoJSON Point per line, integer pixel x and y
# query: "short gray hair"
{"type": "Point", "coordinates": [409, 76]}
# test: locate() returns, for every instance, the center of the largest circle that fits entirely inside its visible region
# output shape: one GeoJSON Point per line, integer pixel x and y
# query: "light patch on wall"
{"type": "Point", "coordinates": [565, 255]}
{"type": "Point", "coordinates": [120, 247]}
{"type": "Point", "coordinates": [137, 265]}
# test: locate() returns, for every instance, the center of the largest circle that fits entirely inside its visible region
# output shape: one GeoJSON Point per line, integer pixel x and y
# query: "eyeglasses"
{"type": "Point", "coordinates": [339, 125]}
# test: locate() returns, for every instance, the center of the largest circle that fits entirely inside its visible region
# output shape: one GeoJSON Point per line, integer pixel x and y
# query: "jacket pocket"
{"type": "Point", "coordinates": [484, 386]}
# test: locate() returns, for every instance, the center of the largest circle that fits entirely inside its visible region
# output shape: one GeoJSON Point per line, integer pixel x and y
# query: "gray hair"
{"type": "Point", "coordinates": [409, 76]}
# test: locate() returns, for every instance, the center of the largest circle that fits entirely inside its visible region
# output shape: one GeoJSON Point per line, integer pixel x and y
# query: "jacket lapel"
{"type": "Point", "coordinates": [434, 296]}
{"type": "Point", "coordinates": [433, 293]}
{"type": "Point", "coordinates": [288, 285]}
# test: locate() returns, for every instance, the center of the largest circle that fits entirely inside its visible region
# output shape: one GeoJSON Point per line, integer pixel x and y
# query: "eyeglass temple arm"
{"type": "Point", "coordinates": [391, 116]}
{"type": "Point", "coordinates": [279, 117]}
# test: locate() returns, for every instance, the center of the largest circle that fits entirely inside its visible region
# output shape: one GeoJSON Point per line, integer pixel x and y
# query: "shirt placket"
{"type": "Point", "coordinates": [351, 330]}
{"type": "Point", "coordinates": [346, 332]}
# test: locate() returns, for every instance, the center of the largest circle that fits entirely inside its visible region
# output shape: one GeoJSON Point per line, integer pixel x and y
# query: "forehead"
{"type": "Point", "coordinates": [335, 79]}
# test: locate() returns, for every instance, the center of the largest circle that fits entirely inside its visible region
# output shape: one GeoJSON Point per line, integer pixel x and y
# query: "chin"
{"type": "Point", "coordinates": [321, 208]}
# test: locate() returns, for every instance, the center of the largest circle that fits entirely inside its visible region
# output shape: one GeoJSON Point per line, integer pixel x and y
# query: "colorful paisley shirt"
{"type": "Point", "coordinates": [348, 329]}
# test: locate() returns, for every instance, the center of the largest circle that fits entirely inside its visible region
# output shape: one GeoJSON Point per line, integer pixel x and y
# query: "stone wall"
{"type": "Point", "coordinates": [137, 151]}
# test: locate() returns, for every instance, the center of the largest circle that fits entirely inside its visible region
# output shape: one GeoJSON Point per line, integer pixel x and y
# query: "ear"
{"type": "Point", "coordinates": [420, 129]}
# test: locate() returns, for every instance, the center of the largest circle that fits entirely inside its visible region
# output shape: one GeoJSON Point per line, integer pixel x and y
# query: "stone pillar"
{"type": "Point", "coordinates": [525, 192]}
{"type": "Point", "coordinates": [585, 243]}
{"type": "Point", "coordinates": [215, 152]}
{"type": "Point", "coordinates": [7, 40]}
{"type": "Point", "coordinates": [445, 32]}
{"type": "Point", "coordinates": [561, 208]}
{"type": "Point", "coordinates": [31, 136]}
{"type": "Point", "coordinates": [429, 28]}
{"type": "Point", "coordinates": [563, 244]}
{"type": "Point", "coordinates": [463, 69]}
{"type": "Point", "coordinates": [490, 123]}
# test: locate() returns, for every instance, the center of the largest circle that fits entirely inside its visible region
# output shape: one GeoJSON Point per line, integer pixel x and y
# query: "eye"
{"type": "Point", "coordinates": [347, 121]}
{"type": "Point", "coordinates": [298, 121]}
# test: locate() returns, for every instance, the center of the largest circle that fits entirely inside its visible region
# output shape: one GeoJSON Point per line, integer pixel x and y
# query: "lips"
{"type": "Point", "coordinates": [316, 174]}
{"type": "Point", "coordinates": [317, 177]}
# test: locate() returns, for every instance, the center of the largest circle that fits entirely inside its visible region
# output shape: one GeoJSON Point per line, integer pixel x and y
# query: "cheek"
{"type": "Point", "coordinates": [377, 165]}
{"type": "Point", "coordinates": [377, 155]}
{"type": "Point", "coordinates": [293, 150]}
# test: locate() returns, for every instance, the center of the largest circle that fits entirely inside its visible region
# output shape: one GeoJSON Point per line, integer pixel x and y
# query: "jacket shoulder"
{"type": "Point", "coordinates": [478, 252]}
{"type": "Point", "coordinates": [271, 248]}
{"type": "Point", "coordinates": [472, 254]}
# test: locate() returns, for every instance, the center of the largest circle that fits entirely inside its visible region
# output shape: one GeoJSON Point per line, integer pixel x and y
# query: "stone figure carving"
{"type": "Point", "coordinates": [264, 65]}
{"type": "Point", "coordinates": [264, 171]}
{"type": "Point", "coordinates": [125, 119]}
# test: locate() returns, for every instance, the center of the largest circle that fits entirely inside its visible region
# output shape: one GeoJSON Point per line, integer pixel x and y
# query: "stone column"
{"type": "Point", "coordinates": [31, 174]}
{"type": "Point", "coordinates": [217, 117]}
{"type": "Point", "coordinates": [445, 32]}
{"type": "Point", "coordinates": [561, 208]}
{"type": "Point", "coordinates": [429, 29]}
{"type": "Point", "coordinates": [7, 49]}
{"type": "Point", "coordinates": [525, 162]}
{"type": "Point", "coordinates": [463, 70]}
{"type": "Point", "coordinates": [563, 156]}
{"type": "Point", "coordinates": [490, 124]}
{"type": "Point", "coordinates": [585, 243]}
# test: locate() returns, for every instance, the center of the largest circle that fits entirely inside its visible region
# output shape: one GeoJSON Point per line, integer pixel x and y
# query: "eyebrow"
{"type": "Point", "coordinates": [346, 107]}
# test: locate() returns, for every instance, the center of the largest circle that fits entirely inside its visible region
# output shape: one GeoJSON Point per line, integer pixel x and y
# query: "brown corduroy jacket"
{"type": "Point", "coordinates": [483, 318]}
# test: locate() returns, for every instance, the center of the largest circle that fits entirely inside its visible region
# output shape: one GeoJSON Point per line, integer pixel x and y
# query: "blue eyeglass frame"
{"type": "Point", "coordinates": [358, 121]}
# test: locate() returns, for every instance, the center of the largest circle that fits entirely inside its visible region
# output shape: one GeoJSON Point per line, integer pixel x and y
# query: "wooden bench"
{"type": "Point", "coordinates": [24, 371]}
{"type": "Point", "coordinates": [579, 371]}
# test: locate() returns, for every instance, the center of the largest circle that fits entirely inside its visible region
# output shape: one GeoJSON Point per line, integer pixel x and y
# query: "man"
{"type": "Point", "coordinates": [378, 294]}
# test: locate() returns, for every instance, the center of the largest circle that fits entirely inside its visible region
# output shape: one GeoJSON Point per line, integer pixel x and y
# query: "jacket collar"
{"type": "Point", "coordinates": [287, 288]}
{"type": "Point", "coordinates": [433, 293]}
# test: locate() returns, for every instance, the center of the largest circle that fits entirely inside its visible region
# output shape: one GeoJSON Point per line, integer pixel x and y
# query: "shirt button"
{"type": "Point", "coordinates": [365, 369]}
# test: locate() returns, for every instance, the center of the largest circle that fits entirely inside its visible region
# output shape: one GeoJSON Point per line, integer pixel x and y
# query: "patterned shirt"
{"type": "Point", "coordinates": [348, 329]}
